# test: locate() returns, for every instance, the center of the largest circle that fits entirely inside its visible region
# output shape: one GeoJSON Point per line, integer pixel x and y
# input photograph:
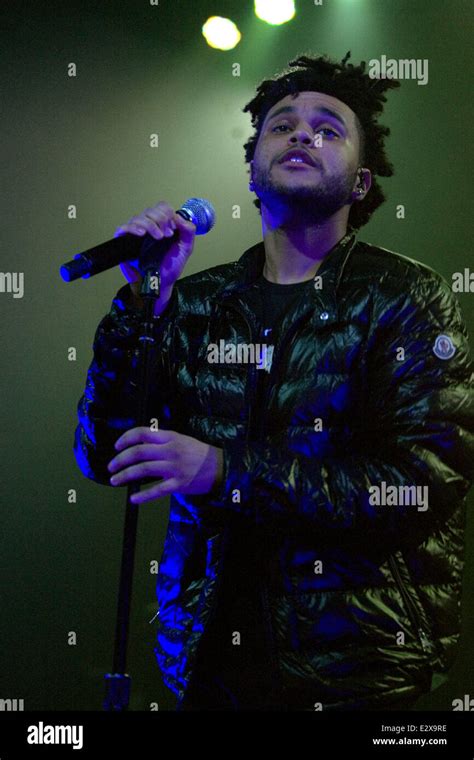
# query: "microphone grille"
{"type": "Point", "coordinates": [200, 212]}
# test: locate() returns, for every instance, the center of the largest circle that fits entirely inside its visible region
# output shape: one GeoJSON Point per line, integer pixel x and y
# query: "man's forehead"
{"type": "Point", "coordinates": [309, 100]}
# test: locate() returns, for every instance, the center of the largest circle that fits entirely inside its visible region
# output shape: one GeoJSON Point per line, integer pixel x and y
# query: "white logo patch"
{"type": "Point", "coordinates": [444, 347]}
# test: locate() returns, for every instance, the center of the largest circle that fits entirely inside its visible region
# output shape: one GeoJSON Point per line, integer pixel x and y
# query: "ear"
{"type": "Point", "coordinates": [362, 184]}
{"type": "Point", "coordinates": [366, 178]}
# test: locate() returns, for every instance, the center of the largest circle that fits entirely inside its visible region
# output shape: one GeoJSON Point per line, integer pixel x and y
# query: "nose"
{"type": "Point", "coordinates": [303, 135]}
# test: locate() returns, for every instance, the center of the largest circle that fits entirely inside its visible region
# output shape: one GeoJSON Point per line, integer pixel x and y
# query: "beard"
{"type": "Point", "coordinates": [312, 202]}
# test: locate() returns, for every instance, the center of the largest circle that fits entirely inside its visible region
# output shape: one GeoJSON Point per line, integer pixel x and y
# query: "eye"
{"type": "Point", "coordinates": [327, 129]}
{"type": "Point", "coordinates": [277, 126]}
{"type": "Point", "coordinates": [321, 129]}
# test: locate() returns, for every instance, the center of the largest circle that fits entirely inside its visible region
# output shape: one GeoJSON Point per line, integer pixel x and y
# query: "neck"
{"type": "Point", "coordinates": [294, 251]}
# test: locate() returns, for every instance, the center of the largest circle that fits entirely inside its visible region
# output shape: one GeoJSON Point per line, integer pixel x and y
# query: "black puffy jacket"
{"type": "Point", "coordinates": [363, 392]}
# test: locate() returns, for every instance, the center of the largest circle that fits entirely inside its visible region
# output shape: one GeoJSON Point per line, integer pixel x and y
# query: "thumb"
{"type": "Point", "coordinates": [130, 271]}
{"type": "Point", "coordinates": [187, 230]}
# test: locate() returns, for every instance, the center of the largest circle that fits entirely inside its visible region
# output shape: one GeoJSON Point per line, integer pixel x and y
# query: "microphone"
{"type": "Point", "coordinates": [127, 247]}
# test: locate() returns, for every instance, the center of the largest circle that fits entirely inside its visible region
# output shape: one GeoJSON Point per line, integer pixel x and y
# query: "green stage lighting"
{"type": "Point", "coordinates": [275, 11]}
{"type": "Point", "coordinates": [221, 33]}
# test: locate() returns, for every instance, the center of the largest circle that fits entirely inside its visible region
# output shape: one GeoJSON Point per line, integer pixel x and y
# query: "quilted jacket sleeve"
{"type": "Point", "coordinates": [419, 416]}
{"type": "Point", "coordinates": [109, 404]}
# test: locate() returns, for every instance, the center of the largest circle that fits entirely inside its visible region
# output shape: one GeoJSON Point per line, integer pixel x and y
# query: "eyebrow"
{"type": "Point", "coordinates": [318, 109]}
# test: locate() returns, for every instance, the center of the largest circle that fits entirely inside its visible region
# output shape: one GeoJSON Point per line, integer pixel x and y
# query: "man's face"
{"type": "Point", "coordinates": [320, 190]}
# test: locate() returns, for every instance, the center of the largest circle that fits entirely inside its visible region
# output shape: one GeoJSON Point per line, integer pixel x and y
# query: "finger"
{"type": "Point", "coordinates": [131, 273]}
{"type": "Point", "coordinates": [163, 215]}
{"type": "Point", "coordinates": [143, 435]}
{"type": "Point", "coordinates": [149, 225]}
{"type": "Point", "coordinates": [148, 469]}
{"type": "Point", "coordinates": [134, 228]}
{"type": "Point", "coordinates": [141, 453]}
{"type": "Point", "coordinates": [162, 209]}
{"type": "Point", "coordinates": [164, 488]}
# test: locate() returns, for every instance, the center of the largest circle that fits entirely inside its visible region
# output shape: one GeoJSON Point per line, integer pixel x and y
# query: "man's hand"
{"type": "Point", "coordinates": [160, 221]}
{"type": "Point", "coordinates": [186, 465]}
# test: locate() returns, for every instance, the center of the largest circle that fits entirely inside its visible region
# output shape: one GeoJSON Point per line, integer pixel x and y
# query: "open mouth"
{"type": "Point", "coordinates": [299, 158]}
{"type": "Point", "coordinates": [297, 163]}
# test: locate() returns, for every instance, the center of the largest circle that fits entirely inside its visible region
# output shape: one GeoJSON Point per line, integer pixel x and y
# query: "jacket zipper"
{"type": "Point", "coordinates": [262, 588]}
{"type": "Point", "coordinates": [278, 352]}
{"type": "Point", "coordinates": [253, 369]}
{"type": "Point", "coordinates": [413, 614]}
{"type": "Point", "coordinates": [212, 611]}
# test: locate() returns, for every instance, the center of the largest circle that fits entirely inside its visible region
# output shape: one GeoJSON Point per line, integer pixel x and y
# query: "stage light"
{"type": "Point", "coordinates": [275, 11]}
{"type": "Point", "coordinates": [221, 33]}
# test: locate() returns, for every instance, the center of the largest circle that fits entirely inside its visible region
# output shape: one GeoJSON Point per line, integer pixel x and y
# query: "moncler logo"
{"type": "Point", "coordinates": [444, 347]}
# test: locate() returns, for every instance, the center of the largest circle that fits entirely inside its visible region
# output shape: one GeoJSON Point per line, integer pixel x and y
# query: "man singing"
{"type": "Point", "coordinates": [314, 552]}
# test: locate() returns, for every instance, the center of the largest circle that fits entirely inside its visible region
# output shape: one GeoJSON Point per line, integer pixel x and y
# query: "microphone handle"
{"type": "Point", "coordinates": [106, 255]}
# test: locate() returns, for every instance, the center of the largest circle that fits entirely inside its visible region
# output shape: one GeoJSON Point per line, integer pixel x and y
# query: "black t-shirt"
{"type": "Point", "coordinates": [227, 672]}
{"type": "Point", "coordinates": [270, 300]}
{"type": "Point", "coordinates": [275, 298]}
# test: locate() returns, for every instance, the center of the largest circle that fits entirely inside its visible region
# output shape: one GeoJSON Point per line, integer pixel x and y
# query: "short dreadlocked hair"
{"type": "Point", "coordinates": [350, 84]}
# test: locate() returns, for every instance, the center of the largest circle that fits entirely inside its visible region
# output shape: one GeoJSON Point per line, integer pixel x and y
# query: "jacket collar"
{"type": "Point", "coordinates": [324, 301]}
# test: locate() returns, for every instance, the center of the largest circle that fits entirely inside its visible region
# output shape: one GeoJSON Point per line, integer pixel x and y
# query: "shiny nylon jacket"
{"type": "Point", "coordinates": [380, 615]}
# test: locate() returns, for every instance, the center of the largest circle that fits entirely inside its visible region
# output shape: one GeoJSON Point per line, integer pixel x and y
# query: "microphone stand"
{"type": "Point", "coordinates": [118, 682]}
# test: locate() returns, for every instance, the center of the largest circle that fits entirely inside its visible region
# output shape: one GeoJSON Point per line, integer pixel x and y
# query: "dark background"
{"type": "Point", "coordinates": [85, 141]}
